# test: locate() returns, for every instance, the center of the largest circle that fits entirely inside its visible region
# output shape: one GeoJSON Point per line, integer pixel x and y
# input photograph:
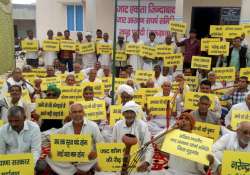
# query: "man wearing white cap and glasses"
{"type": "Point", "coordinates": [88, 59]}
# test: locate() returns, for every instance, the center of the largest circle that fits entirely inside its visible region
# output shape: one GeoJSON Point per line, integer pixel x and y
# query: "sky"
{"type": "Point", "coordinates": [23, 1]}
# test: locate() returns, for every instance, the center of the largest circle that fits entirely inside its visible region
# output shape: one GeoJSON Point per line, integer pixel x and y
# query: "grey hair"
{"type": "Point", "coordinates": [16, 111]}
{"type": "Point", "coordinates": [75, 104]}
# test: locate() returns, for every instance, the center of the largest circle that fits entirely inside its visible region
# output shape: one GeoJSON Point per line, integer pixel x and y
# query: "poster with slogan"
{"type": "Point", "coordinates": [232, 31]}
{"type": "Point", "coordinates": [178, 27]}
{"type": "Point", "coordinates": [205, 42]}
{"type": "Point", "coordinates": [133, 49]}
{"type": "Point", "coordinates": [30, 45]}
{"type": "Point", "coordinates": [216, 31]}
{"type": "Point", "coordinates": [21, 164]}
{"type": "Point", "coordinates": [246, 28]}
{"type": "Point", "coordinates": [142, 76]}
{"type": "Point", "coordinates": [239, 116]}
{"type": "Point", "coordinates": [115, 114]}
{"type": "Point", "coordinates": [235, 163]}
{"type": "Point", "coordinates": [192, 82]}
{"type": "Point", "coordinates": [162, 50]}
{"type": "Point", "coordinates": [86, 48]}
{"type": "Point", "coordinates": [67, 45]}
{"type": "Point", "coordinates": [245, 72]}
{"type": "Point", "coordinates": [70, 147]}
{"type": "Point", "coordinates": [187, 145]}
{"type": "Point", "coordinates": [226, 74]}
{"type": "Point", "coordinates": [218, 48]}
{"type": "Point", "coordinates": [148, 51]}
{"type": "Point", "coordinates": [104, 48]}
{"type": "Point", "coordinates": [171, 60]}
{"type": "Point", "coordinates": [51, 45]}
{"type": "Point", "coordinates": [192, 99]}
{"type": "Point", "coordinates": [158, 105]}
{"type": "Point", "coordinates": [207, 130]}
{"type": "Point", "coordinates": [71, 93]}
{"type": "Point", "coordinates": [200, 62]}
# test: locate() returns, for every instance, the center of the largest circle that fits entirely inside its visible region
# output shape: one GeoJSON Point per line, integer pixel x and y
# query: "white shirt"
{"type": "Point", "coordinates": [27, 141]}
{"type": "Point", "coordinates": [140, 129]}
{"type": "Point", "coordinates": [31, 55]}
{"type": "Point", "coordinates": [228, 142]}
{"type": "Point", "coordinates": [161, 79]}
{"type": "Point", "coordinates": [217, 85]}
{"type": "Point", "coordinates": [240, 106]}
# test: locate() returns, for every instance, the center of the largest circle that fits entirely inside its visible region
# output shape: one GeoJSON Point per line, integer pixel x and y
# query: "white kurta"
{"type": "Point", "coordinates": [240, 106]}
{"type": "Point", "coordinates": [135, 60]}
{"type": "Point", "coordinates": [49, 58]}
{"type": "Point", "coordinates": [90, 128]}
{"type": "Point", "coordinates": [105, 59]}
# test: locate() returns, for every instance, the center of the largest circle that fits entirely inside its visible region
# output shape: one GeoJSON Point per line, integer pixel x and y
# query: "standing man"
{"type": "Point", "coordinates": [105, 59]}
{"type": "Point", "coordinates": [149, 63]}
{"type": "Point", "coordinates": [98, 35]}
{"type": "Point", "coordinates": [79, 56]}
{"type": "Point", "coordinates": [88, 59]}
{"type": "Point", "coordinates": [31, 57]}
{"type": "Point", "coordinates": [135, 60]}
{"type": "Point", "coordinates": [66, 56]}
{"type": "Point", "coordinates": [49, 56]}
{"type": "Point", "coordinates": [120, 46]}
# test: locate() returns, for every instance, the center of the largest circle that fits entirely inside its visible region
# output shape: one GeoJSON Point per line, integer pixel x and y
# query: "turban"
{"type": "Point", "coordinates": [190, 117]}
{"type": "Point", "coordinates": [125, 88]}
{"type": "Point", "coordinates": [88, 34]}
{"type": "Point", "coordinates": [130, 106]}
{"type": "Point", "coordinates": [54, 89]}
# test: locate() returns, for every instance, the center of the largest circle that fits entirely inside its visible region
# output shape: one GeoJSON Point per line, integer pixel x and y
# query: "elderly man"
{"type": "Point", "coordinates": [132, 125]}
{"type": "Point", "coordinates": [20, 135]}
{"type": "Point", "coordinates": [70, 80]}
{"type": "Point", "coordinates": [126, 93]}
{"type": "Point", "coordinates": [135, 60]}
{"type": "Point", "coordinates": [78, 125]}
{"type": "Point", "coordinates": [88, 59]}
{"type": "Point", "coordinates": [105, 59]}
{"type": "Point", "coordinates": [203, 114]}
{"type": "Point", "coordinates": [159, 78]}
{"type": "Point", "coordinates": [50, 71]}
{"type": "Point", "coordinates": [17, 79]}
{"type": "Point", "coordinates": [212, 78]}
{"type": "Point", "coordinates": [120, 47]}
{"type": "Point", "coordinates": [49, 56]}
{"type": "Point", "coordinates": [236, 141]}
{"type": "Point", "coordinates": [243, 106]}
{"type": "Point", "coordinates": [92, 77]}
{"type": "Point", "coordinates": [78, 56]}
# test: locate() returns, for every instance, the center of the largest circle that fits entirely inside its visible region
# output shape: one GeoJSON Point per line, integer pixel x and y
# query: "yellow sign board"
{"type": "Point", "coordinates": [50, 80]}
{"type": "Point", "coordinates": [141, 76]}
{"type": "Point", "coordinates": [67, 45]}
{"type": "Point", "coordinates": [115, 114]}
{"type": "Point", "coordinates": [245, 72]}
{"type": "Point", "coordinates": [200, 62]}
{"type": "Point", "coordinates": [97, 87]}
{"type": "Point", "coordinates": [104, 48]}
{"type": "Point", "coordinates": [205, 42]}
{"type": "Point", "coordinates": [51, 45]}
{"type": "Point", "coordinates": [235, 163]}
{"type": "Point", "coordinates": [71, 93]}
{"type": "Point", "coordinates": [224, 73]}
{"type": "Point", "coordinates": [192, 82]}
{"type": "Point", "coordinates": [86, 48]}
{"type": "Point", "coordinates": [239, 116]}
{"type": "Point", "coordinates": [40, 72]}
{"type": "Point", "coordinates": [52, 108]}
{"type": "Point", "coordinates": [178, 27]}
{"type": "Point", "coordinates": [70, 147]}
{"type": "Point", "coordinates": [218, 48]}
{"type": "Point", "coordinates": [120, 55]}
{"type": "Point", "coordinates": [21, 164]}
{"type": "Point", "coordinates": [158, 105]}
{"type": "Point", "coordinates": [246, 28]}
{"type": "Point", "coordinates": [187, 145]}
{"type": "Point", "coordinates": [133, 49]}
{"type": "Point", "coordinates": [162, 50]}
{"type": "Point", "coordinates": [207, 130]}
{"type": "Point", "coordinates": [149, 91]}
{"type": "Point", "coordinates": [232, 31]}
{"type": "Point", "coordinates": [139, 98]}
{"type": "Point", "coordinates": [192, 99]}
{"type": "Point", "coordinates": [1, 123]}
{"type": "Point", "coordinates": [148, 51]}
{"type": "Point", "coordinates": [171, 60]}
{"type": "Point", "coordinates": [29, 45]}
{"type": "Point", "coordinates": [216, 31]}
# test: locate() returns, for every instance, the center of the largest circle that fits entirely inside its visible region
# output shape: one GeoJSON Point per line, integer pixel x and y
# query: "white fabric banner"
{"type": "Point", "coordinates": [154, 16]}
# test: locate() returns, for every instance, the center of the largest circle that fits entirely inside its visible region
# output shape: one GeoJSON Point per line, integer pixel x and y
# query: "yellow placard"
{"type": "Point", "coordinates": [246, 28]}
{"type": "Point", "coordinates": [67, 45]}
{"type": "Point", "coordinates": [70, 147]}
{"type": "Point", "coordinates": [52, 108]}
{"type": "Point", "coordinates": [200, 62]}
{"type": "Point", "coordinates": [133, 49]}
{"type": "Point", "coordinates": [239, 116]}
{"type": "Point", "coordinates": [245, 72]}
{"type": "Point", "coordinates": [139, 98]}
{"type": "Point", "coordinates": [85, 48]}
{"type": "Point", "coordinates": [171, 60]}
{"type": "Point", "coordinates": [235, 163]}
{"type": "Point", "coordinates": [115, 114]}
{"type": "Point", "coordinates": [148, 51]}
{"type": "Point", "coordinates": [1, 123]}
{"type": "Point", "coordinates": [158, 105]}
{"type": "Point", "coordinates": [40, 72]}
{"type": "Point", "coordinates": [29, 45]}
{"type": "Point", "coordinates": [224, 73]}
{"type": "Point", "coordinates": [110, 156]}
{"type": "Point", "coordinates": [149, 91]}
{"type": "Point", "coordinates": [71, 93]}
{"type": "Point", "coordinates": [29, 75]}
{"type": "Point", "coordinates": [141, 76]}
{"type": "Point", "coordinates": [192, 99]}
{"type": "Point", "coordinates": [21, 164]}
{"type": "Point", "coordinates": [232, 31]}
{"type": "Point", "coordinates": [218, 48]}
{"type": "Point", "coordinates": [192, 82]}
{"type": "Point", "coordinates": [207, 130]}
{"type": "Point", "coordinates": [94, 110]}
{"type": "Point", "coordinates": [216, 31]}
{"type": "Point", "coordinates": [107, 82]}
{"type": "Point", "coordinates": [120, 81]}
{"type": "Point", "coordinates": [187, 145]}
{"type": "Point", "coordinates": [50, 80]}
{"type": "Point", "coordinates": [97, 87]}
{"type": "Point", "coordinates": [162, 50]}
{"type": "Point", "coordinates": [205, 42]}
{"type": "Point", "coordinates": [51, 45]}
{"type": "Point", "coordinates": [178, 27]}
{"type": "Point", "coordinates": [104, 48]}
{"type": "Point", "coordinates": [79, 77]}
{"type": "Point", "coordinates": [120, 55]}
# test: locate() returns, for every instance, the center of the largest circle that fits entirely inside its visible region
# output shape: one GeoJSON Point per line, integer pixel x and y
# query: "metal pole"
{"type": "Point", "coordinates": [139, 15]}
{"type": "Point", "coordinates": [114, 54]}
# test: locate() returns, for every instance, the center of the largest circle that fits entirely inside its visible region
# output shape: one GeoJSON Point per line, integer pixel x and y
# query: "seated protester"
{"type": "Point", "coordinates": [123, 74]}
{"type": "Point", "coordinates": [182, 166]}
{"type": "Point", "coordinates": [62, 69]}
{"type": "Point", "coordinates": [149, 84]}
{"type": "Point", "coordinates": [235, 141]}
{"type": "Point", "coordinates": [187, 72]}
{"type": "Point", "coordinates": [159, 79]}
{"type": "Point", "coordinates": [243, 106]}
{"type": "Point", "coordinates": [214, 84]}
{"type": "Point", "coordinates": [166, 73]}
{"type": "Point", "coordinates": [77, 68]}
{"type": "Point", "coordinates": [131, 124]}
{"type": "Point", "coordinates": [50, 71]}
{"type": "Point", "coordinates": [78, 125]}
{"type": "Point", "coordinates": [203, 113]}
{"type": "Point", "coordinates": [53, 92]}
{"type": "Point", "coordinates": [130, 71]}
{"type": "Point", "coordinates": [70, 80]}
{"type": "Point", "coordinates": [56, 65]}
{"type": "Point", "coordinates": [132, 84]}
{"type": "Point", "coordinates": [92, 77]}
{"type": "Point", "coordinates": [106, 72]}
{"type": "Point", "coordinates": [15, 99]}
{"type": "Point", "coordinates": [20, 135]}
{"type": "Point", "coordinates": [88, 93]}
{"type": "Point", "coordinates": [238, 93]}
{"type": "Point", "coordinates": [205, 87]}
{"type": "Point", "coordinates": [17, 79]}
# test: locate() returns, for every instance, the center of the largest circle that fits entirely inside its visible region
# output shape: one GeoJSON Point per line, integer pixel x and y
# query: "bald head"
{"type": "Point", "coordinates": [77, 113]}
{"type": "Point", "coordinates": [243, 133]}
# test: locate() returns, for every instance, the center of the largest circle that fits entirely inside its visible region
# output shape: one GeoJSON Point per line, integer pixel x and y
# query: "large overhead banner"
{"type": "Point", "coordinates": [155, 16]}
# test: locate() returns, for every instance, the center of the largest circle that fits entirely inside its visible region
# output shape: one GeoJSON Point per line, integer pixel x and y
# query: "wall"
{"type": "Point", "coordinates": [23, 26]}
{"type": "Point", "coordinates": [21, 11]}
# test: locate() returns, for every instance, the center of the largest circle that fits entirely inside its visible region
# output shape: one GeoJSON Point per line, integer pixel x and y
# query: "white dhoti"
{"type": "Point", "coordinates": [105, 60]}
{"type": "Point", "coordinates": [65, 168]}
{"type": "Point", "coordinates": [89, 60]}
{"type": "Point", "coordinates": [49, 58]}
{"type": "Point", "coordinates": [135, 61]}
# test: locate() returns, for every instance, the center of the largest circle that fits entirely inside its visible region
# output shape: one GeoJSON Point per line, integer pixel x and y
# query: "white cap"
{"type": "Point", "coordinates": [88, 34]}
{"type": "Point", "coordinates": [130, 106]}
{"type": "Point", "coordinates": [125, 88]}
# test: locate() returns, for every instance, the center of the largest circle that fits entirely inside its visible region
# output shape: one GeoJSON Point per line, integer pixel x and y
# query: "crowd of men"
{"type": "Point", "coordinates": [24, 131]}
